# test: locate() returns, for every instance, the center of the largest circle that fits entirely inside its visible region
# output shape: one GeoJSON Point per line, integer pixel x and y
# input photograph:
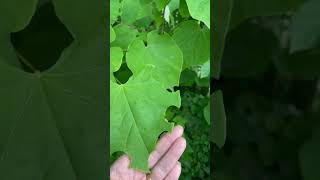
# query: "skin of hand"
{"type": "Point", "coordinates": [163, 161]}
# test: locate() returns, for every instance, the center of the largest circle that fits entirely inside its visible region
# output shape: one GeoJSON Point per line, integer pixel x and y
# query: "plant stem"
{"type": "Point", "coordinates": [27, 63]}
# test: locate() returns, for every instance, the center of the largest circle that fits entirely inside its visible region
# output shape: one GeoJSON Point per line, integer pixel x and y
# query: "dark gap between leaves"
{"type": "Point", "coordinates": [174, 89]}
{"type": "Point", "coordinates": [123, 74]}
{"type": "Point", "coordinates": [145, 43]}
{"type": "Point", "coordinates": [215, 85]}
{"type": "Point", "coordinates": [42, 41]}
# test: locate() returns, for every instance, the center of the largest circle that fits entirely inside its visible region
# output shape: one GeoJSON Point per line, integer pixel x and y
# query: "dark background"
{"type": "Point", "coordinates": [272, 103]}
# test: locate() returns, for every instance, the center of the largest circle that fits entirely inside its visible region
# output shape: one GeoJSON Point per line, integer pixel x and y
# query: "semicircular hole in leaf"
{"type": "Point", "coordinates": [42, 41]}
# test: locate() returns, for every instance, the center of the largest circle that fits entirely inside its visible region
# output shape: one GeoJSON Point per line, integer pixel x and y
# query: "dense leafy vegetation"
{"type": "Point", "coordinates": [160, 52]}
{"type": "Point", "coordinates": [270, 54]}
{"type": "Point", "coordinates": [196, 159]}
{"type": "Point", "coordinates": [52, 71]}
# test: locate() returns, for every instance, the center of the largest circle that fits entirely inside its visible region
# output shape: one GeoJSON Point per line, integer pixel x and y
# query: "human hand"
{"type": "Point", "coordinates": [163, 161]}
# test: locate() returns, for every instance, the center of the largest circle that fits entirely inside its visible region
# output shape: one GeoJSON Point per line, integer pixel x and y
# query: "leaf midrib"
{"type": "Point", "coordinates": [134, 120]}
{"type": "Point", "coordinates": [50, 109]}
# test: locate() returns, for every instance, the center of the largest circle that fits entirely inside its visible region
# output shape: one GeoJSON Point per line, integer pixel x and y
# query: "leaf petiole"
{"type": "Point", "coordinates": [27, 63]}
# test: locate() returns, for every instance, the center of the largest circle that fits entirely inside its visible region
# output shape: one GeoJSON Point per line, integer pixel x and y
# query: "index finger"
{"type": "Point", "coordinates": [164, 144]}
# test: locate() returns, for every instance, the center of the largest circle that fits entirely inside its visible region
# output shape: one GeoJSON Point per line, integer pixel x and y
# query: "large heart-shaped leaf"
{"type": "Point", "coordinates": [53, 123]}
{"type": "Point", "coordinates": [222, 16]}
{"type": "Point", "coordinates": [138, 107]}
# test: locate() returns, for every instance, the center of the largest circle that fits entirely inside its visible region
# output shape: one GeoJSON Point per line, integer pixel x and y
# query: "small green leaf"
{"type": "Point", "coordinates": [116, 54]}
{"type": "Point", "coordinates": [112, 34]}
{"type": "Point", "coordinates": [133, 10]}
{"type": "Point", "coordinates": [125, 35]}
{"type": "Point", "coordinates": [188, 77]}
{"type": "Point", "coordinates": [174, 5]}
{"type": "Point", "coordinates": [200, 10]}
{"type": "Point", "coordinates": [205, 70]}
{"type": "Point", "coordinates": [195, 48]}
{"type": "Point", "coordinates": [206, 113]}
{"type": "Point", "coordinates": [218, 119]}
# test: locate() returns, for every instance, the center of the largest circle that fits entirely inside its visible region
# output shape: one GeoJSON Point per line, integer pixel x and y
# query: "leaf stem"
{"type": "Point", "coordinates": [163, 22]}
{"type": "Point", "coordinates": [26, 62]}
{"type": "Point", "coordinates": [117, 80]}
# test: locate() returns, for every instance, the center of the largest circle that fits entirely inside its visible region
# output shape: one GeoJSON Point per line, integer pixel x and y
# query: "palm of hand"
{"type": "Point", "coordinates": [163, 161]}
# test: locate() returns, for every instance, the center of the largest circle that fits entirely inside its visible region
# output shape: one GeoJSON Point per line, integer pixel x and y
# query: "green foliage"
{"type": "Point", "coordinates": [200, 10]}
{"type": "Point", "coordinates": [52, 112]}
{"type": "Point", "coordinates": [125, 36]}
{"type": "Point", "coordinates": [115, 10]}
{"type": "Point", "coordinates": [137, 121]}
{"type": "Point", "coordinates": [195, 48]}
{"type": "Point", "coordinates": [195, 160]}
{"type": "Point", "coordinates": [150, 47]}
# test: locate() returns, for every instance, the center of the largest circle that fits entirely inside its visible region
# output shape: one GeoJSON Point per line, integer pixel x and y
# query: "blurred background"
{"type": "Point", "coordinates": [270, 82]}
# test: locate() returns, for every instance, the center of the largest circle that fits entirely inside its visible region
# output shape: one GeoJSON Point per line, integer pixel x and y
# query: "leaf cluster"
{"type": "Point", "coordinates": [153, 42]}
